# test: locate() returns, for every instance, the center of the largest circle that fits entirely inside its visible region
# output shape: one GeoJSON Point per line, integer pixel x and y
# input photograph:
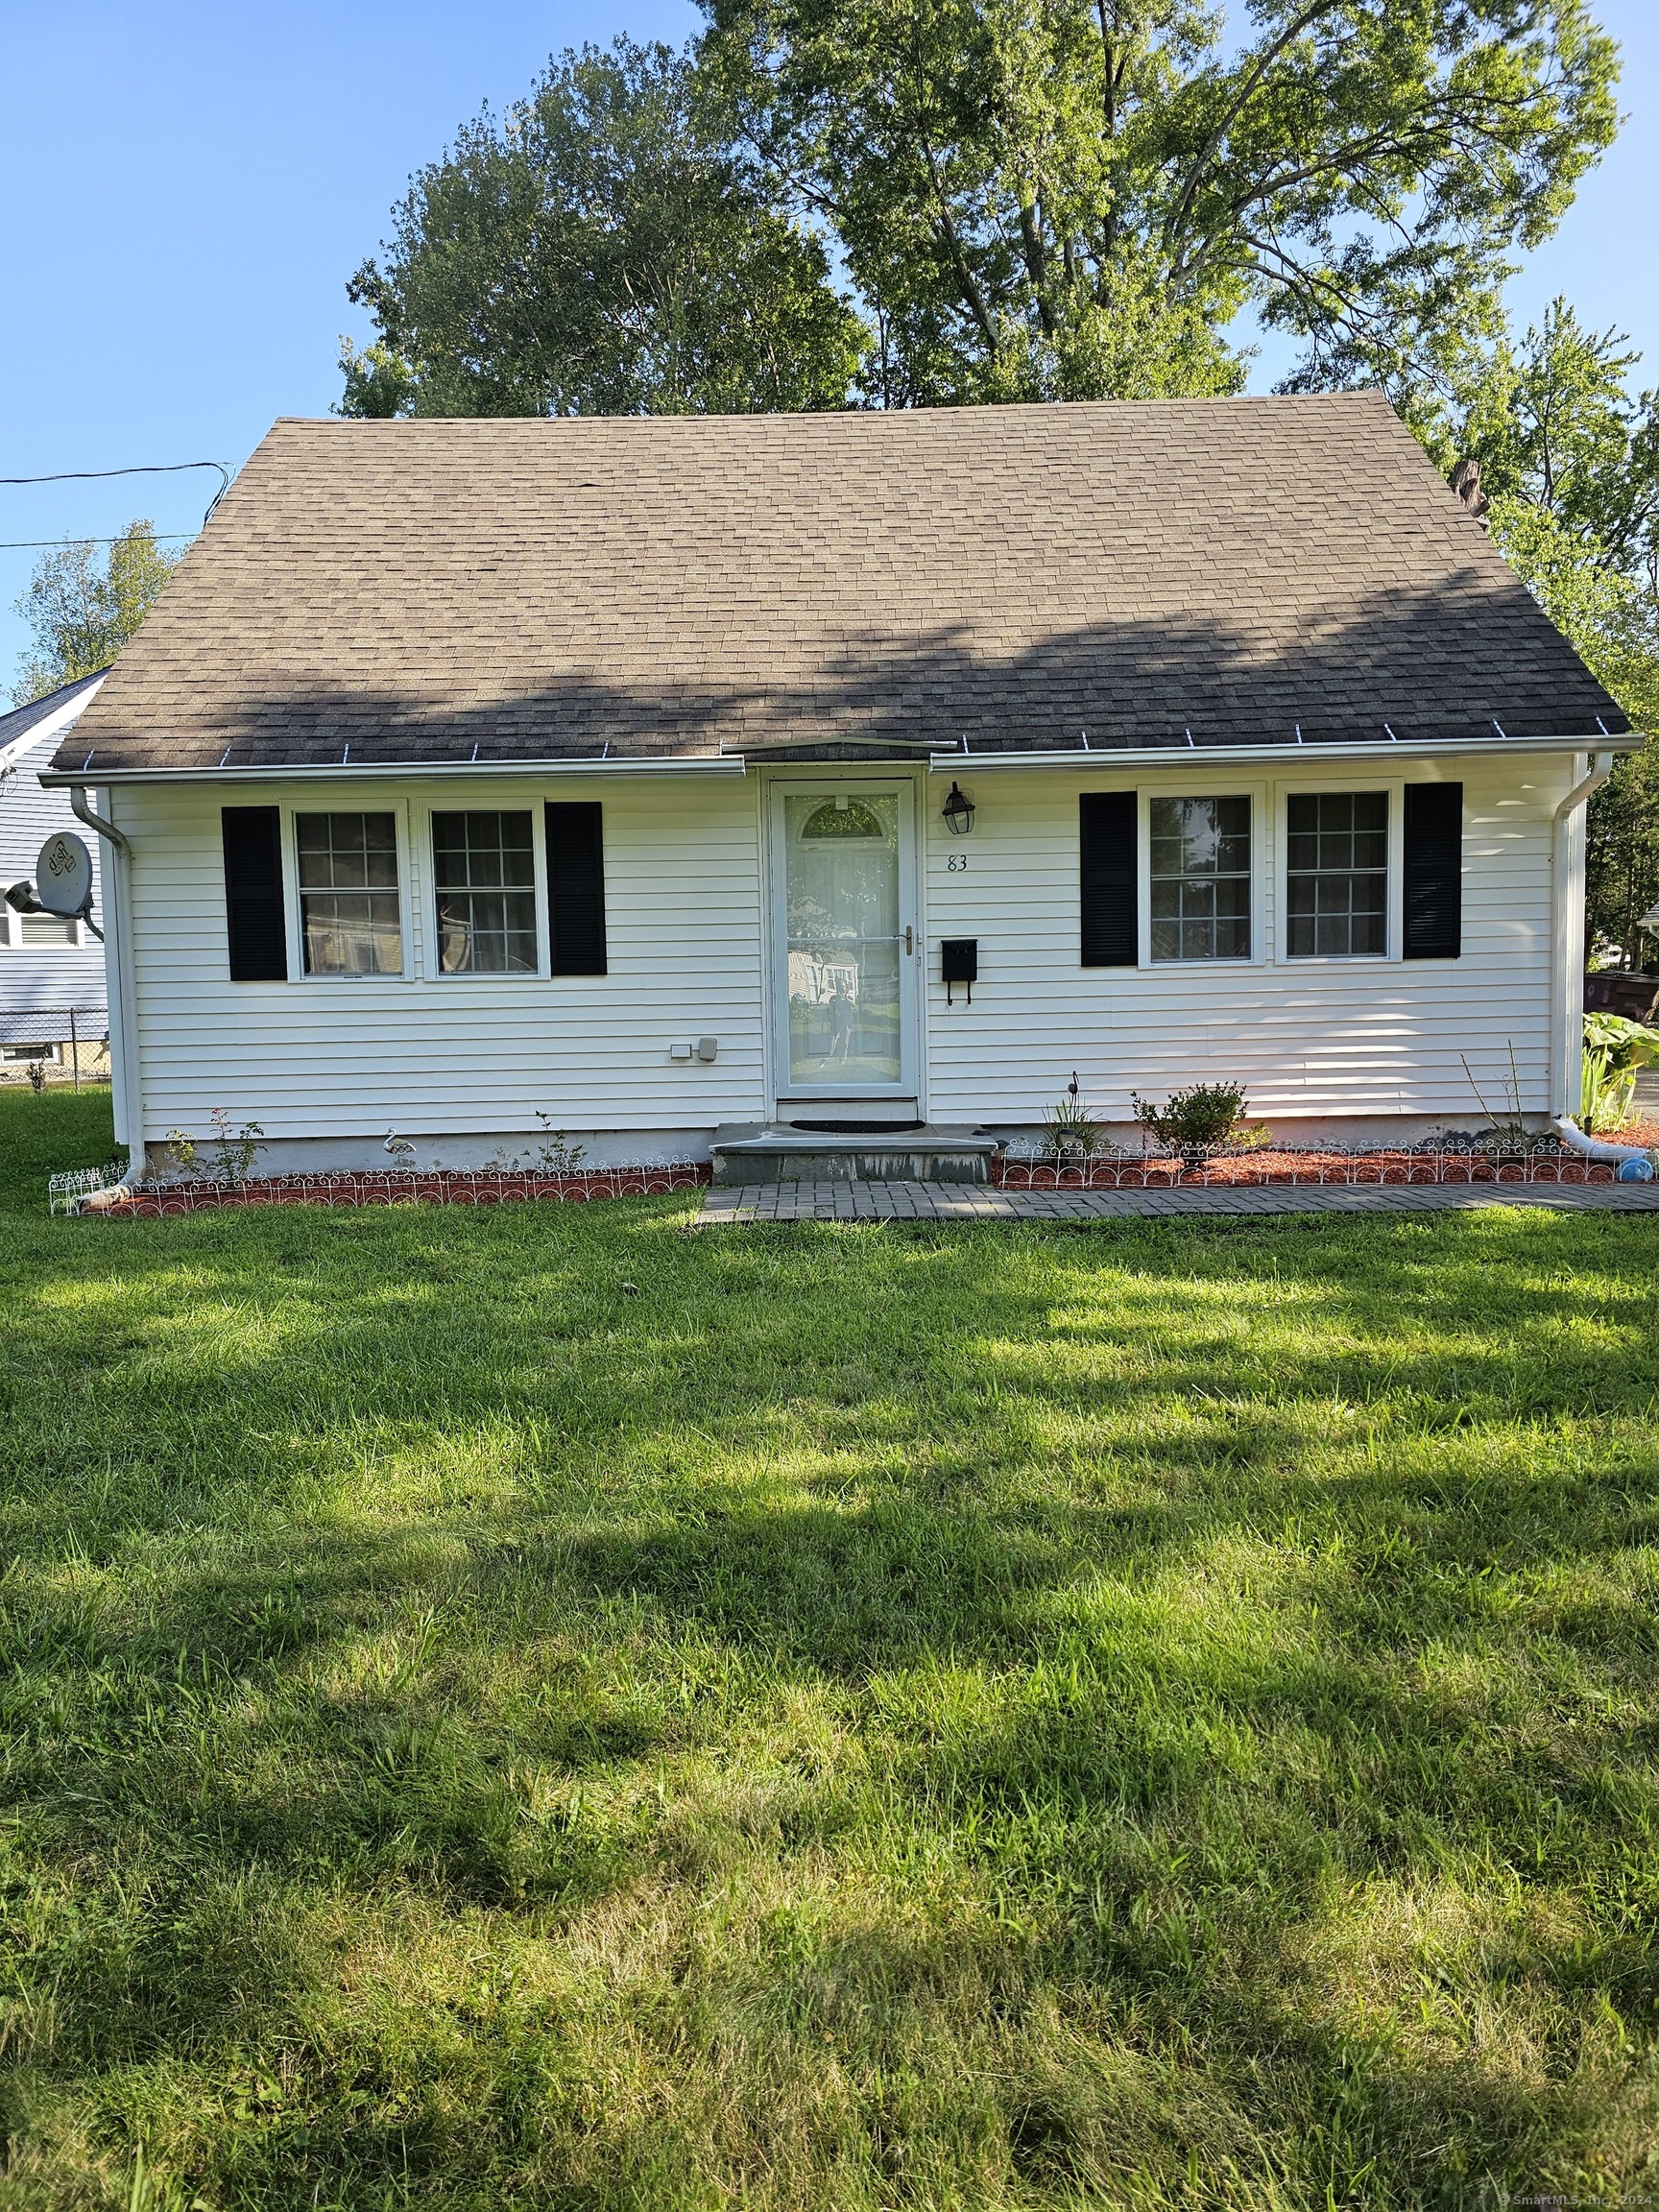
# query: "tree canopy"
{"type": "Point", "coordinates": [1067, 199]}
{"type": "Point", "coordinates": [83, 604]}
{"type": "Point", "coordinates": [1073, 199]}
{"type": "Point", "coordinates": [1568, 457]}
{"type": "Point", "coordinates": [600, 249]}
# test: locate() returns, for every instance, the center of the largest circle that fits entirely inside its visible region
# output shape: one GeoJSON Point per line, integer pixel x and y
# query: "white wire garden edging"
{"type": "Point", "coordinates": [94, 1190]}
{"type": "Point", "coordinates": [1543, 1161]}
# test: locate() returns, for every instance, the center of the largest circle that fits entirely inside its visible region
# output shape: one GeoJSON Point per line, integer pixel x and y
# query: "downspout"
{"type": "Point", "coordinates": [121, 982]}
{"type": "Point", "coordinates": [1567, 971]}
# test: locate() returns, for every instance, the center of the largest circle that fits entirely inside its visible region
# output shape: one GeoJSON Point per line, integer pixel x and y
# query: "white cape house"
{"type": "Point", "coordinates": [641, 778]}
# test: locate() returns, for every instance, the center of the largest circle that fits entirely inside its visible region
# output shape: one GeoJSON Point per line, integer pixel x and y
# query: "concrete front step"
{"type": "Point", "coordinates": [775, 1153]}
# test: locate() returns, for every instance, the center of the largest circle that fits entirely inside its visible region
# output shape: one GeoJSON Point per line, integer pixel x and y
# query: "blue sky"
{"type": "Point", "coordinates": [187, 187]}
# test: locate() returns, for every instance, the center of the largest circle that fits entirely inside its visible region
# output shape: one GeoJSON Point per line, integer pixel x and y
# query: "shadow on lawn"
{"type": "Point", "coordinates": [1155, 1652]}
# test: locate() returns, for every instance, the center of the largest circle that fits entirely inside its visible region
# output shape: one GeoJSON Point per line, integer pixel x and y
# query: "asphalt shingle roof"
{"type": "Point", "coordinates": [513, 590]}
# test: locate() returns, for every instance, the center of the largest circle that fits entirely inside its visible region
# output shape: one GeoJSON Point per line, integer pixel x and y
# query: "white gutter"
{"type": "Point", "coordinates": [703, 764]}
{"type": "Point", "coordinates": [1109, 760]}
{"type": "Point", "coordinates": [1566, 967]}
{"type": "Point", "coordinates": [120, 981]}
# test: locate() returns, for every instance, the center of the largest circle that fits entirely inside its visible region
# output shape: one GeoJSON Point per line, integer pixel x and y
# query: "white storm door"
{"type": "Point", "coordinates": [844, 939]}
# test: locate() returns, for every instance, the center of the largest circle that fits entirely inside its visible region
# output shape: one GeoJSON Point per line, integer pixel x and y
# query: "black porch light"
{"type": "Point", "coordinates": [958, 811]}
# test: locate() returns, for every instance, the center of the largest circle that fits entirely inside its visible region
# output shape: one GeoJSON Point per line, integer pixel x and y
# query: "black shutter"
{"type": "Point", "coordinates": [1434, 871]}
{"type": "Point", "coordinates": [576, 887]}
{"type": "Point", "coordinates": [1106, 848]}
{"type": "Point", "coordinates": [256, 924]}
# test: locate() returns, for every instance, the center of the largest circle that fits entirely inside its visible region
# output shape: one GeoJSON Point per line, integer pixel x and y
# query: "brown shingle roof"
{"type": "Point", "coordinates": [538, 590]}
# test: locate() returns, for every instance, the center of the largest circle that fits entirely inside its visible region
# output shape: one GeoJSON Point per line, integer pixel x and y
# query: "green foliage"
{"type": "Point", "coordinates": [599, 250]}
{"type": "Point", "coordinates": [378, 382]}
{"type": "Point", "coordinates": [83, 604]}
{"type": "Point", "coordinates": [1074, 199]}
{"type": "Point", "coordinates": [1070, 1126]}
{"type": "Point", "coordinates": [993, 1717]}
{"type": "Point", "coordinates": [229, 1154]}
{"type": "Point", "coordinates": [1626, 1045]}
{"type": "Point", "coordinates": [1196, 1122]}
{"type": "Point", "coordinates": [1615, 1051]}
{"type": "Point", "coordinates": [1556, 427]}
{"type": "Point", "coordinates": [1569, 454]}
{"type": "Point", "coordinates": [1624, 853]}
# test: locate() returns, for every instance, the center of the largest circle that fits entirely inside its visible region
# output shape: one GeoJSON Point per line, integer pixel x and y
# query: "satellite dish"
{"type": "Point", "coordinates": [63, 876]}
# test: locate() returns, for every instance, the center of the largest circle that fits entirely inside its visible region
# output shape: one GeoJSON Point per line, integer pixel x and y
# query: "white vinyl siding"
{"type": "Point", "coordinates": [426, 1052]}
{"type": "Point", "coordinates": [44, 962]}
{"type": "Point", "coordinates": [430, 1053]}
{"type": "Point", "coordinates": [1306, 1037]}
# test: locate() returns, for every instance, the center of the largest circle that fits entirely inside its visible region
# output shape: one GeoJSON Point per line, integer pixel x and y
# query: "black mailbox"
{"type": "Point", "coordinates": [958, 963]}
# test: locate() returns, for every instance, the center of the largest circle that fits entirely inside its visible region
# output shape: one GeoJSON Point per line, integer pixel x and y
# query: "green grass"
{"type": "Point", "coordinates": [1157, 1715]}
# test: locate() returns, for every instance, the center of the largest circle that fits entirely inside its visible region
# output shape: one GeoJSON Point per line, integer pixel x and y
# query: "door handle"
{"type": "Point", "coordinates": [909, 938]}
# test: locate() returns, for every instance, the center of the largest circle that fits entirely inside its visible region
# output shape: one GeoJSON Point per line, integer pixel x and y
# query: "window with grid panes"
{"type": "Point", "coordinates": [1336, 874]}
{"type": "Point", "coordinates": [484, 870]}
{"type": "Point", "coordinates": [1200, 879]}
{"type": "Point", "coordinates": [350, 920]}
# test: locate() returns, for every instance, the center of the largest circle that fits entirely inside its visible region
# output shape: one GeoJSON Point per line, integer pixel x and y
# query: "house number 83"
{"type": "Point", "coordinates": [956, 862]}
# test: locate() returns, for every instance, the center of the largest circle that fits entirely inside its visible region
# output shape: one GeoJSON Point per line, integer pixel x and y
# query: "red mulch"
{"type": "Point", "coordinates": [1310, 1166]}
{"type": "Point", "coordinates": [372, 1188]}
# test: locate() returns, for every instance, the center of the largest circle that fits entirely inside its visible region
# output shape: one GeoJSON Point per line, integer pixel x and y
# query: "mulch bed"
{"type": "Point", "coordinates": [438, 1188]}
{"type": "Point", "coordinates": [1404, 1164]}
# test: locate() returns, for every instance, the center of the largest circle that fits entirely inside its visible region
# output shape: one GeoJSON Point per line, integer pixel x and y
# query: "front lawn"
{"type": "Point", "coordinates": [532, 1707]}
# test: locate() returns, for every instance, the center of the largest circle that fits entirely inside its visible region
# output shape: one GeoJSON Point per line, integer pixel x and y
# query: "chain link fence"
{"type": "Point", "coordinates": [41, 1045]}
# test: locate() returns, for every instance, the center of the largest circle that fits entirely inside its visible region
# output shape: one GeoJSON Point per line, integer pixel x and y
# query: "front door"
{"type": "Point", "coordinates": [844, 939]}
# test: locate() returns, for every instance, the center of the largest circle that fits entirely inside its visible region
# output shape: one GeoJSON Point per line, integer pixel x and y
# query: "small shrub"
{"type": "Point", "coordinates": [37, 1076]}
{"type": "Point", "coordinates": [555, 1153]}
{"type": "Point", "coordinates": [230, 1154]}
{"type": "Point", "coordinates": [1196, 1123]}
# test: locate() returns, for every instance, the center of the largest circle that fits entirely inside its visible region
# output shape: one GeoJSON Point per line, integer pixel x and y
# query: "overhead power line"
{"type": "Point", "coordinates": [32, 544]}
{"type": "Point", "coordinates": [141, 469]}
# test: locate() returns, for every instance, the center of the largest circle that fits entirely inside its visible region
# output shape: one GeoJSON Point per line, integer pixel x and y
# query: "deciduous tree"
{"type": "Point", "coordinates": [1568, 457]}
{"type": "Point", "coordinates": [600, 249]}
{"type": "Point", "coordinates": [83, 604]}
{"type": "Point", "coordinates": [1076, 197]}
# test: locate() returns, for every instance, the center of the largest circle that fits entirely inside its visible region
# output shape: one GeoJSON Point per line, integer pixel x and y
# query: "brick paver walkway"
{"type": "Point", "coordinates": [848, 1201]}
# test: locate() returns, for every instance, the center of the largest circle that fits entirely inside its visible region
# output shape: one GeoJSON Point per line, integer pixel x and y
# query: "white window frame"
{"type": "Point", "coordinates": [298, 972]}
{"type": "Point", "coordinates": [1221, 786]}
{"type": "Point", "coordinates": [487, 978]}
{"type": "Point", "coordinates": [1393, 788]}
{"type": "Point", "coordinates": [12, 935]}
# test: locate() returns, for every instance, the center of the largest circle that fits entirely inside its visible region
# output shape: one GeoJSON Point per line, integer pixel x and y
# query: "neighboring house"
{"type": "Point", "coordinates": [477, 770]}
{"type": "Point", "coordinates": [47, 967]}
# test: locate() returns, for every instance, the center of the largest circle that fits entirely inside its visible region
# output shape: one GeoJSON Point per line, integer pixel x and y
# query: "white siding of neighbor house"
{"type": "Point", "coordinates": [44, 979]}
{"type": "Point", "coordinates": [431, 1056]}
{"type": "Point", "coordinates": [1307, 1038]}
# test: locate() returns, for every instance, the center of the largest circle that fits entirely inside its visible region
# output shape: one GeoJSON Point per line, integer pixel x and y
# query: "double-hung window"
{"type": "Point", "coordinates": [1200, 879]}
{"type": "Point", "coordinates": [351, 914]}
{"type": "Point", "coordinates": [1336, 874]}
{"type": "Point", "coordinates": [484, 873]}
